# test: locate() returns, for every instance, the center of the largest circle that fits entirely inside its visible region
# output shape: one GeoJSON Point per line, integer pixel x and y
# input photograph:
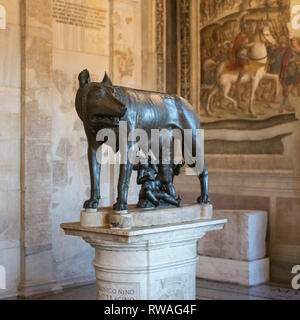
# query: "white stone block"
{"type": "Point", "coordinates": [137, 218]}
{"type": "Point", "coordinates": [232, 271]}
{"type": "Point", "coordinates": [243, 237]}
{"type": "Point", "coordinates": [91, 218]}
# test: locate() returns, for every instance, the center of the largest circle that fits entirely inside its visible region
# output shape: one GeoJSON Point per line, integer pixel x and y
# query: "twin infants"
{"type": "Point", "coordinates": [157, 184]}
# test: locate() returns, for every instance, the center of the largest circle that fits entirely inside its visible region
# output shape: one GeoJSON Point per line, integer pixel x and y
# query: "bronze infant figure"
{"type": "Point", "coordinates": [157, 184]}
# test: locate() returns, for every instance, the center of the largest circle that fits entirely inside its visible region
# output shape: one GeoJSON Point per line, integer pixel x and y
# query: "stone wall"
{"type": "Point", "coordinates": [42, 140]}
{"type": "Point", "coordinates": [10, 124]}
{"type": "Point", "coordinates": [75, 47]}
{"type": "Point", "coordinates": [115, 48]}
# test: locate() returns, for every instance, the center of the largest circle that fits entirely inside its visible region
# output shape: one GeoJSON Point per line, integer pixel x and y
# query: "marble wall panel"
{"type": "Point", "coordinates": [79, 38]}
{"type": "Point", "coordinates": [38, 13]}
{"type": "Point", "coordinates": [10, 153]}
{"type": "Point", "coordinates": [55, 176]}
{"type": "Point", "coordinates": [12, 8]}
{"type": "Point", "coordinates": [38, 168]}
{"type": "Point", "coordinates": [10, 218]}
{"type": "Point", "coordinates": [126, 47]}
{"type": "Point", "coordinates": [10, 58]}
{"type": "Point", "coordinates": [149, 74]}
{"type": "Point", "coordinates": [10, 122]}
{"type": "Point", "coordinates": [10, 261]}
{"type": "Point", "coordinates": [36, 174]}
{"type": "Point", "coordinates": [10, 100]}
{"type": "Point", "coordinates": [288, 221]}
{"type": "Point", "coordinates": [71, 182]}
{"type": "Point", "coordinates": [10, 126]}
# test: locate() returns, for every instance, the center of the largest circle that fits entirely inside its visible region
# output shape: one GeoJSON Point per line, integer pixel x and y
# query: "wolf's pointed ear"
{"type": "Point", "coordinates": [106, 80]}
{"type": "Point", "coordinates": [84, 78]}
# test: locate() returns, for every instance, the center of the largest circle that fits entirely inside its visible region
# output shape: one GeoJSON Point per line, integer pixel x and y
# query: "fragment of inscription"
{"type": "Point", "coordinates": [78, 15]}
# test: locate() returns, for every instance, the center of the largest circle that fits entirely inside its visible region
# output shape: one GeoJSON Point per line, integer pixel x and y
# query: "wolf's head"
{"type": "Point", "coordinates": [102, 108]}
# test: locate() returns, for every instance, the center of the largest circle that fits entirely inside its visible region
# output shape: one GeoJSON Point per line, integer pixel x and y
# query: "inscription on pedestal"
{"type": "Point", "coordinates": [118, 291]}
{"type": "Point", "coordinates": [78, 15]}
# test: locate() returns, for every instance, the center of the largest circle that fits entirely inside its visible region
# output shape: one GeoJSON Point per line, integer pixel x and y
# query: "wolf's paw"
{"type": "Point", "coordinates": [204, 199]}
{"type": "Point", "coordinates": [120, 206]}
{"type": "Point", "coordinates": [91, 203]}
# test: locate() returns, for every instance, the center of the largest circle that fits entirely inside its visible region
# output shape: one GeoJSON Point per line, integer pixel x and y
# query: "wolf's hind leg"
{"type": "Point", "coordinates": [204, 198]}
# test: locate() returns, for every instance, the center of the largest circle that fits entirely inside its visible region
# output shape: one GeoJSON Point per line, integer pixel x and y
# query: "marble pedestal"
{"type": "Point", "coordinates": [153, 262]}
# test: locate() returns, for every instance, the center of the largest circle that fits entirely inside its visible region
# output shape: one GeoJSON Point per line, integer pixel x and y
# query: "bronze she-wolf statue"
{"type": "Point", "coordinates": [103, 106]}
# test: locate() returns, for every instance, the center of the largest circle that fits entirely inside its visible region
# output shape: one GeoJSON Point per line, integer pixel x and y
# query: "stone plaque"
{"type": "Point", "coordinates": [2, 17]}
{"type": "Point", "coordinates": [118, 291]}
{"type": "Point", "coordinates": [69, 13]}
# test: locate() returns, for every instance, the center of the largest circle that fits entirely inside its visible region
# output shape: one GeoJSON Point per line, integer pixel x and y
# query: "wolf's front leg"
{"type": "Point", "coordinates": [123, 186]}
{"type": "Point", "coordinates": [95, 170]}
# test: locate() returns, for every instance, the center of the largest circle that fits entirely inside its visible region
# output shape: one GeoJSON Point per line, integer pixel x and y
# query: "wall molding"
{"type": "Point", "coordinates": [160, 15]}
{"type": "Point", "coordinates": [184, 64]}
{"type": "Point", "coordinates": [277, 184]}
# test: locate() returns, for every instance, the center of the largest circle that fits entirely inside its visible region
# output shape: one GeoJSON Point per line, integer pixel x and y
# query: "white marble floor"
{"type": "Point", "coordinates": [206, 290]}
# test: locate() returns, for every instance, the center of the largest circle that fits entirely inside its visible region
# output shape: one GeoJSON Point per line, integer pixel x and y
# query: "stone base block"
{"type": "Point", "coordinates": [206, 211]}
{"type": "Point", "coordinates": [242, 239]}
{"type": "Point", "coordinates": [232, 271]}
{"type": "Point", "coordinates": [139, 218]}
{"type": "Point", "coordinates": [93, 218]}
